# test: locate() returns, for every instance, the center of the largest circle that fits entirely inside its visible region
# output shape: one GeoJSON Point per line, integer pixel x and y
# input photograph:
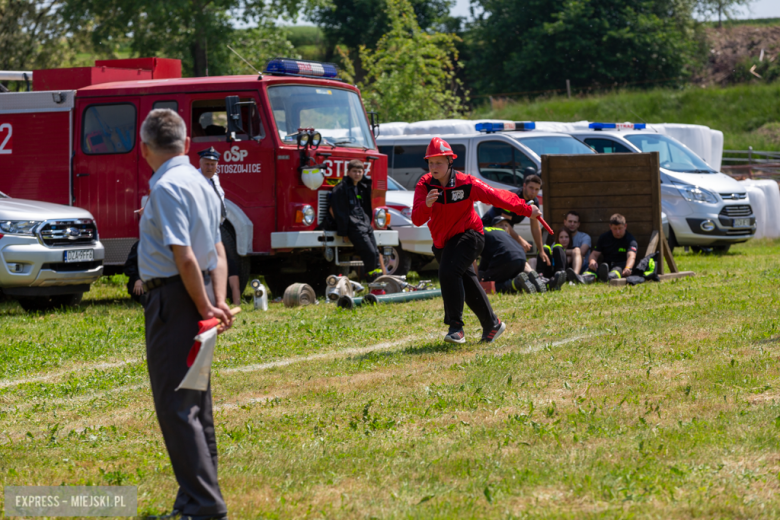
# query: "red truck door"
{"type": "Point", "coordinates": [105, 169]}
{"type": "Point", "coordinates": [247, 169]}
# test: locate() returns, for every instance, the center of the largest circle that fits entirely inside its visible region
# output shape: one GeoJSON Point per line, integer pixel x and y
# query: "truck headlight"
{"type": "Point", "coordinates": [696, 194]}
{"type": "Point", "coordinates": [380, 218]}
{"type": "Point", "coordinates": [308, 215]}
{"type": "Point", "coordinates": [19, 227]}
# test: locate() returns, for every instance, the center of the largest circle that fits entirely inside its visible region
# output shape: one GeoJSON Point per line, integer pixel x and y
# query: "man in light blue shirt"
{"type": "Point", "coordinates": [179, 255]}
{"type": "Point", "coordinates": [578, 239]}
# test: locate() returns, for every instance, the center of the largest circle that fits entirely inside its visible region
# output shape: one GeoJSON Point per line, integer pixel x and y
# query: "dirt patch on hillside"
{"type": "Point", "coordinates": [731, 47]}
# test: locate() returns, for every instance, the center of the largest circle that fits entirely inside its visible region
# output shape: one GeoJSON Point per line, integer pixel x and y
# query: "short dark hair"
{"type": "Point", "coordinates": [533, 178]}
{"type": "Point", "coordinates": [355, 164]}
{"type": "Point", "coordinates": [617, 220]}
{"type": "Point", "coordinates": [572, 212]}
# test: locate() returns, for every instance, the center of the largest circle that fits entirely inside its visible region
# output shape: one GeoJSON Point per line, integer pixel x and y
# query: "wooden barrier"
{"type": "Point", "coordinates": [600, 185]}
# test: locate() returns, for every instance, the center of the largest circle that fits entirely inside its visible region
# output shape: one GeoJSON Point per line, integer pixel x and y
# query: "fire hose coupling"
{"type": "Point", "coordinates": [260, 295]}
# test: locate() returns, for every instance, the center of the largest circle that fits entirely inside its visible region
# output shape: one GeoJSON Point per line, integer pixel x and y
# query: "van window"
{"type": "Point", "coordinates": [108, 129]}
{"type": "Point", "coordinates": [408, 163]}
{"type": "Point", "coordinates": [388, 151]}
{"type": "Point", "coordinates": [501, 162]}
{"type": "Point", "coordinates": [171, 105]}
{"type": "Point", "coordinates": [607, 146]}
{"type": "Point", "coordinates": [209, 120]}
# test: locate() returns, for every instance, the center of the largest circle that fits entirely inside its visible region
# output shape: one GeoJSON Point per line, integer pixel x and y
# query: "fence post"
{"type": "Point", "coordinates": [750, 155]}
{"type": "Point", "coordinates": [568, 88]}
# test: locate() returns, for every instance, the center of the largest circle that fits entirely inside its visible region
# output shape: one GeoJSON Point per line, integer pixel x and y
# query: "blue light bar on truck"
{"type": "Point", "coordinates": [506, 126]}
{"type": "Point", "coordinates": [618, 126]}
{"type": "Point", "coordinates": [287, 67]}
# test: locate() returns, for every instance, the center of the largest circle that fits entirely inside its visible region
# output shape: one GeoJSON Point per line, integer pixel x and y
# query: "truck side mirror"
{"type": "Point", "coordinates": [374, 123]}
{"type": "Point", "coordinates": [234, 121]}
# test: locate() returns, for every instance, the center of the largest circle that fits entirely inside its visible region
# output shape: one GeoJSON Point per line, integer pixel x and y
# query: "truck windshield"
{"type": "Point", "coordinates": [672, 155]}
{"type": "Point", "coordinates": [555, 144]}
{"type": "Point", "coordinates": [336, 114]}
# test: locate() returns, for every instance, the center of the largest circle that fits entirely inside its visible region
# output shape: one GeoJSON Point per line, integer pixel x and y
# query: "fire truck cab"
{"type": "Point", "coordinates": [284, 137]}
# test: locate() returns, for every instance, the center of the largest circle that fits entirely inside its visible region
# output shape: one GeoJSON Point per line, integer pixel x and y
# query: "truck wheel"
{"type": "Point", "coordinates": [243, 262]}
{"type": "Point", "coordinates": [400, 262]}
{"type": "Point", "coordinates": [721, 250]}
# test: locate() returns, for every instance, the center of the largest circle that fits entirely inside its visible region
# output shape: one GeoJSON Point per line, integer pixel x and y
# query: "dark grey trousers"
{"type": "Point", "coordinates": [185, 417]}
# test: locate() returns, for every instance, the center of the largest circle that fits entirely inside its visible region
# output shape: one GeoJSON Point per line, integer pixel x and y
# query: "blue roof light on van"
{"type": "Point", "coordinates": [506, 126]}
{"type": "Point", "coordinates": [618, 126]}
{"type": "Point", "coordinates": [283, 66]}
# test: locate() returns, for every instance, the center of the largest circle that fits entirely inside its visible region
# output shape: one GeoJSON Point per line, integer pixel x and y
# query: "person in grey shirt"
{"type": "Point", "coordinates": [179, 255]}
{"type": "Point", "coordinates": [571, 221]}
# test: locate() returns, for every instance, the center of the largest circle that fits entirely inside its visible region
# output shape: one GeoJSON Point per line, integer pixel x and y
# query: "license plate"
{"type": "Point", "coordinates": [741, 222]}
{"type": "Point", "coordinates": [79, 255]}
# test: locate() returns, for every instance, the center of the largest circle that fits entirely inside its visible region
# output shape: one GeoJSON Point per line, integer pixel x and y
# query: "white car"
{"type": "Point", "coordinates": [705, 208]}
{"type": "Point", "coordinates": [49, 253]}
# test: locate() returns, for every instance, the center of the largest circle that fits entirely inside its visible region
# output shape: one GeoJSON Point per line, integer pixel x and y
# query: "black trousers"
{"type": "Point", "coordinates": [459, 282]}
{"type": "Point", "coordinates": [558, 258]}
{"type": "Point", "coordinates": [504, 274]}
{"type": "Point", "coordinates": [185, 416]}
{"type": "Point", "coordinates": [365, 246]}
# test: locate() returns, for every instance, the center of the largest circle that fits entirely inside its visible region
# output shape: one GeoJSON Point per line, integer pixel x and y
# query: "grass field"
{"type": "Point", "coordinates": [744, 113]}
{"type": "Point", "coordinates": [657, 401]}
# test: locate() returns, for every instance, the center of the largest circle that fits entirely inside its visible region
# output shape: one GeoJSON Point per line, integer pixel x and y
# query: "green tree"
{"type": "Point", "coordinates": [195, 31]}
{"type": "Point", "coordinates": [722, 8]}
{"type": "Point", "coordinates": [352, 23]}
{"type": "Point", "coordinates": [258, 45]}
{"type": "Point", "coordinates": [411, 74]}
{"type": "Point", "coordinates": [32, 35]}
{"type": "Point", "coordinates": [537, 45]}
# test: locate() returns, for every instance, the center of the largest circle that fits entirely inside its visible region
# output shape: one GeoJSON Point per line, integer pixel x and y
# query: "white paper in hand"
{"type": "Point", "coordinates": [197, 377]}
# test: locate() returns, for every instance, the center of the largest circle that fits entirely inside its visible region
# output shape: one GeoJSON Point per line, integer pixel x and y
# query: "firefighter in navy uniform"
{"type": "Point", "coordinates": [614, 256]}
{"type": "Point", "coordinates": [503, 259]}
{"type": "Point", "coordinates": [445, 198]}
{"type": "Point", "coordinates": [350, 202]}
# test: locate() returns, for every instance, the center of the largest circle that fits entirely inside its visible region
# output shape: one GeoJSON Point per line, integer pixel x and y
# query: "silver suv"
{"type": "Point", "coordinates": [49, 253]}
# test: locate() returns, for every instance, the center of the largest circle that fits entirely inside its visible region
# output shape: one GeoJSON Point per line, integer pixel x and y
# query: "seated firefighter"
{"type": "Point", "coordinates": [614, 256]}
{"type": "Point", "coordinates": [350, 203]}
{"type": "Point", "coordinates": [504, 262]}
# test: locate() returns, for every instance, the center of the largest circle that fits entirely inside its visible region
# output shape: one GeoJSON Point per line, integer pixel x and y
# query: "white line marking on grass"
{"type": "Point", "coordinates": [315, 357]}
{"type": "Point", "coordinates": [55, 375]}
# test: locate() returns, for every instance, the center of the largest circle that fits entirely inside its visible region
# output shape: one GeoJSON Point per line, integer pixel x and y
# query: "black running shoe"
{"type": "Point", "coordinates": [491, 335]}
{"type": "Point", "coordinates": [558, 281]}
{"type": "Point", "coordinates": [522, 283]}
{"type": "Point", "coordinates": [455, 335]}
{"type": "Point", "coordinates": [604, 273]}
{"type": "Point", "coordinates": [572, 276]}
{"type": "Point", "coordinates": [588, 278]}
{"type": "Point", "coordinates": [537, 280]}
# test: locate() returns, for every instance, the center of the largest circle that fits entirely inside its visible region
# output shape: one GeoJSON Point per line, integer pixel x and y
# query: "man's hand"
{"type": "Point", "coordinates": [544, 258]}
{"type": "Point", "coordinates": [526, 245]}
{"type": "Point", "coordinates": [138, 288]}
{"type": "Point", "coordinates": [626, 271]}
{"type": "Point", "coordinates": [431, 198]}
{"type": "Point", "coordinates": [593, 265]}
{"type": "Point", "coordinates": [535, 212]}
{"type": "Point", "coordinates": [221, 312]}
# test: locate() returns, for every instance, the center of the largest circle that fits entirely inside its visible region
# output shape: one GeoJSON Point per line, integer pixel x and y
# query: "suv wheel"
{"type": "Point", "coordinates": [399, 262]}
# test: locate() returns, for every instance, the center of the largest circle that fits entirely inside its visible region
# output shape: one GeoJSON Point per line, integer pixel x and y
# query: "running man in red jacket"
{"type": "Point", "coordinates": [445, 198]}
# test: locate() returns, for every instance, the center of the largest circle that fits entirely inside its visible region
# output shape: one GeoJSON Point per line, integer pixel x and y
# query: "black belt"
{"type": "Point", "coordinates": [156, 283]}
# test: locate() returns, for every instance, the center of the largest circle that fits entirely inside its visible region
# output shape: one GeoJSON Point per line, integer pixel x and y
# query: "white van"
{"type": "Point", "coordinates": [705, 208]}
{"type": "Point", "coordinates": [500, 153]}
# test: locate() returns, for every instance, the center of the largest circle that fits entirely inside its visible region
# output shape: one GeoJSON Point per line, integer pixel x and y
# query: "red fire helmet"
{"type": "Point", "coordinates": [439, 147]}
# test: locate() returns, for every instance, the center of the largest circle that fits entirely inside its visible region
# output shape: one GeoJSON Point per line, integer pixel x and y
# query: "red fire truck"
{"type": "Point", "coordinates": [285, 139]}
